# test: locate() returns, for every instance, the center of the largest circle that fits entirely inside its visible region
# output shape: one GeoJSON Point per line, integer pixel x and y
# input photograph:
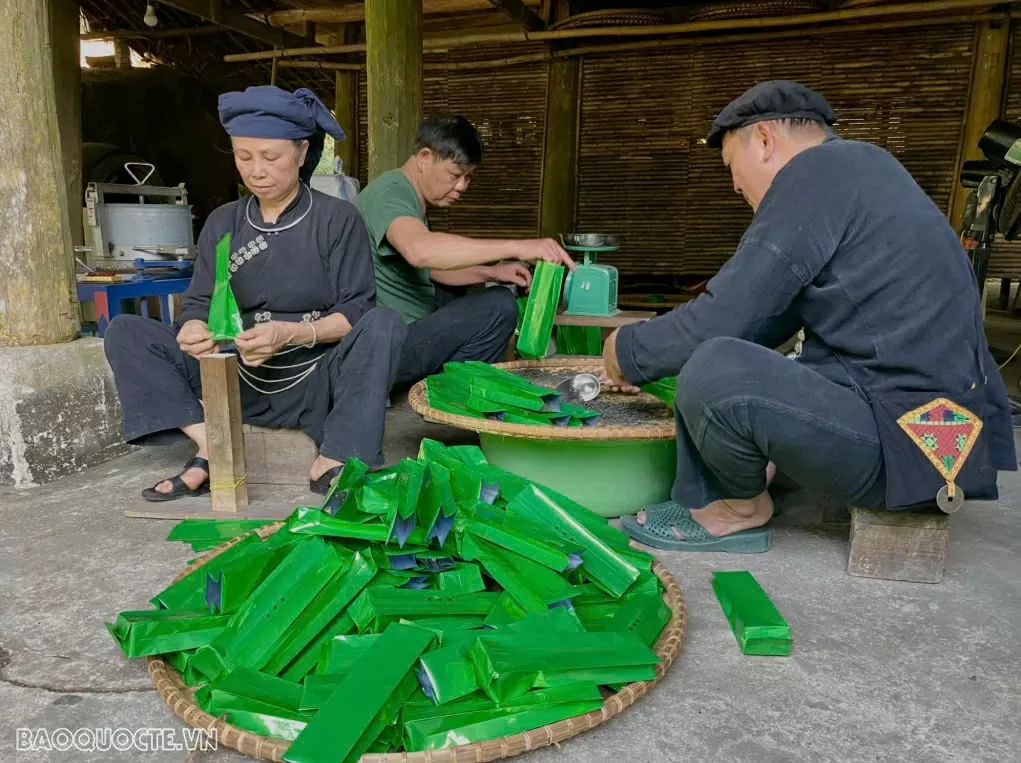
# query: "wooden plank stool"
{"type": "Point", "coordinates": [895, 545]}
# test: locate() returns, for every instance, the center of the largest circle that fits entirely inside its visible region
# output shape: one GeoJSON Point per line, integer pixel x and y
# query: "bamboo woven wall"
{"type": "Point", "coordinates": [644, 175]}
{"type": "Point", "coordinates": [1005, 261]}
{"type": "Point", "coordinates": [508, 106]}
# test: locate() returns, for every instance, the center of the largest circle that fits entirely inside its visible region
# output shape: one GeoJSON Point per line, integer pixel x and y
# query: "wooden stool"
{"type": "Point", "coordinates": [897, 545]}
{"type": "Point", "coordinates": [278, 456]}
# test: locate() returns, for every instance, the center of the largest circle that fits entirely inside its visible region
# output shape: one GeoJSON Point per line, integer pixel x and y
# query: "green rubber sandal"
{"type": "Point", "coordinates": [670, 526]}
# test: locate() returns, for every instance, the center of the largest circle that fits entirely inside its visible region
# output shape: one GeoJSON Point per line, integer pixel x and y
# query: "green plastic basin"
{"type": "Point", "coordinates": [611, 478]}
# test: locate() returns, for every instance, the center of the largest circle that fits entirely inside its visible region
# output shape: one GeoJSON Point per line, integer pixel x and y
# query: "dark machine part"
{"type": "Point", "coordinates": [995, 204]}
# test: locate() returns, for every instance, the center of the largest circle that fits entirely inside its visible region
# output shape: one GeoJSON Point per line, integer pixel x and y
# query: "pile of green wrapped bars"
{"type": "Point", "coordinates": [481, 391]}
{"type": "Point", "coordinates": [439, 602]}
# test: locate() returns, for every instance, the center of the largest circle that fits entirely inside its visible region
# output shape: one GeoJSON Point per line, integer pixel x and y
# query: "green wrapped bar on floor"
{"type": "Point", "coordinates": [757, 624]}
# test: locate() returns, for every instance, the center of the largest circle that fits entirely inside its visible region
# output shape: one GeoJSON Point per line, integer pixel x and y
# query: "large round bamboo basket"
{"type": "Point", "coordinates": [613, 469]}
{"type": "Point", "coordinates": [666, 430]}
{"type": "Point", "coordinates": [181, 701]}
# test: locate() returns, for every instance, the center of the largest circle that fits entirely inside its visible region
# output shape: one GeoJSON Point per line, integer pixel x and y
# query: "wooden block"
{"type": "Point", "coordinates": [221, 398]}
{"type": "Point", "coordinates": [894, 545]}
{"type": "Point", "coordinates": [278, 456]}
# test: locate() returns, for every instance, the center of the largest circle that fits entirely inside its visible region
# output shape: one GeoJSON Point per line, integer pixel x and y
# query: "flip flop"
{"type": "Point", "coordinates": [321, 486]}
{"type": "Point", "coordinates": [671, 526]}
{"type": "Point", "coordinates": [178, 487]}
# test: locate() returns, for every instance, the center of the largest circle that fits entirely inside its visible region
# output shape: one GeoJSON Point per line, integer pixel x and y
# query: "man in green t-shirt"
{"type": "Point", "coordinates": [410, 260]}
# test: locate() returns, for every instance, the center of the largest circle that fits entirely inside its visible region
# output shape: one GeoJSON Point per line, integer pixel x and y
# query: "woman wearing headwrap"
{"type": "Point", "coordinates": [316, 353]}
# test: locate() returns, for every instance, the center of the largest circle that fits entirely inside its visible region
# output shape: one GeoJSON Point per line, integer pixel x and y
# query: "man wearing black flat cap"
{"type": "Point", "coordinates": [893, 399]}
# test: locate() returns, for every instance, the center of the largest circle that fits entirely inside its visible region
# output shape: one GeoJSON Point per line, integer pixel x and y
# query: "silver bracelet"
{"type": "Point", "coordinates": [314, 336]}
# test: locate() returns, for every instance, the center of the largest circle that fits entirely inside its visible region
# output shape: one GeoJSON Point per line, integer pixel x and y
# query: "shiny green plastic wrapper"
{"type": "Point", "coordinates": [644, 614]}
{"type": "Point", "coordinates": [319, 688]}
{"type": "Point", "coordinates": [308, 520]}
{"type": "Point", "coordinates": [508, 665]}
{"type": "Point", "coordinates": [443, 401]}
{"type": "Point", "coordinates": [601, 563]}
{"type": "Point", "coordinates": [664, 389]}
{"type": "Point", "coordinates": [204, 534]}
{"type": "Point", "coordinates": [579, 340]}
{"type": "Point", "coordinates": [355, 573]}
{"type": "Point", "coordinates": [224, 317]}
{"type": "Point", "coordinates": [390, 604]}
{"type": "Point", "coordinates": [180, 662]}
{"type": "Point", "coordinates": [612, 677]}
{"type": "Point", "coordinates": [256, 629]}
{"type": "Point", "coordinates": [477, 718]}
{"type": "Point", "coordinates": [308, 658]}
{"type": "Point", "coordinates": [266, 724]}
{"type": "Point", "coordinates": [251, 690]}
{"type": "Point", "coordinates": [464, 578]}
{"type": "Point", "coordinates": [342, 653]}
{"type": "Point", "coordinates": [757, 624]}
{"type": "Point", "coordinates": [155, 631]}
{"type": "Point", "coordinates": [533, 586]}
{"type": "Point", "coordinates": [506, 610]}
{"type": "Point", "coordinates": [446, 674]}
{"type": "Point", "coordinates": [338, 730]}
{"type": "Point", "coordinates": [190, 591]}
{"type": "Point", "coordinates": [514, 533]}
{"type": "Point", "coordinates": [540, 310]}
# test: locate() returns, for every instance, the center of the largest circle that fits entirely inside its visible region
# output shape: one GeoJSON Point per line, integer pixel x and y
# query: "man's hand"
{"type": "Point", "coordinates": [612, 376]}
{"type": "Point", "coordinates": [264, 340]}
{"type": "Point", "coordinates": [512, 272]}
{"type": "Point", "coordinates": [196, 339]}
{"type": "Point", "coordinates": [534, 249]}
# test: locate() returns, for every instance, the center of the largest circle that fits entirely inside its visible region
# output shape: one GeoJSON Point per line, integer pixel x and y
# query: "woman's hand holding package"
{"type": "Point", "coordinates": [196, 339]}
{"type": "Point", "coordinates": [264, 340]}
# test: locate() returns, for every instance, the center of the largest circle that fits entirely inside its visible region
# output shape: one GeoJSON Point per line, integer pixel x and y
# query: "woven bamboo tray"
{"type": "Point", "coordinates": [743, 9]}
{"type": "Point", "coordinates": [624, 17]}
{"type": "Point", "coordinates": [180, 698]}
{"type": "Point", "coordinates": [667, 430]}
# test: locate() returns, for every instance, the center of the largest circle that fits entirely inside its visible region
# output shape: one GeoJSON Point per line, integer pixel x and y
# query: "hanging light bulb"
{"type": "Point", "coordinates": [150, 16]}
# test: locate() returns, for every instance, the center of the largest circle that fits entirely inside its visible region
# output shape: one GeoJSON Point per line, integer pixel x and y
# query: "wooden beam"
{"type": "Point", "coordinates": [37, 289]}
{"type": "Point", "coordinates": [520, 13]}
{"type": "Point", "coordinates": [905, 11]}
{"type": "Point", "coordinates": [355, 13]}
{"type": "Point", "coordinates": [988, 80]}
{"type": "Point", "coordinates": [153, 34]}
{"type": "Point", "coordinates": [393, 67]}
{"type": "Point", "coordinates": [225, 438]}
{"type": "Point", "coordinates": [560, 154]}
{"type": "Point", "coordinates": [238, 22]}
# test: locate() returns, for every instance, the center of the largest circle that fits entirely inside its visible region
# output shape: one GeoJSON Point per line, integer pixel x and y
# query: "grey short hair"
{"type": "Point", "coordinates": [793, 127]}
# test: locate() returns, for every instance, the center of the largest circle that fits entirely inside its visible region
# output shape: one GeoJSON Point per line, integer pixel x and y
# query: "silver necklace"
{"type": "Point", "coordinates": [248, 216]}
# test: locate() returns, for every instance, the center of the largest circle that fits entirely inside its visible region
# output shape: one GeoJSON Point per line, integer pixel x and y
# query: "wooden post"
{"type": "Point", "coordinates": [37, 290]}
{"type": "Point", "coordinates": [560, 156]}
{"type": "Point", "coordinates": [393, 67]}
{"type": "Point", "coordinates": [985, 103]}
{"type": "Point", "coordinates": [221, 398]}
{"type": "Point", "coordinates": [67, 74]}
{"type": "Point", "coordinates": [345, 109]}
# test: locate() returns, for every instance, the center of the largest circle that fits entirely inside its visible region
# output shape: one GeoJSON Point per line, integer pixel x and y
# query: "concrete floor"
{"type": "Point", "coordinates": [879, 671]}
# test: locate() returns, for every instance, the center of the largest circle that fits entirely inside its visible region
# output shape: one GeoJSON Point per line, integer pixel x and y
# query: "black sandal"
{"type": "Point", "coordinates": [179, 488]}
{"type": "Point", "coordinates": [322, 485]}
